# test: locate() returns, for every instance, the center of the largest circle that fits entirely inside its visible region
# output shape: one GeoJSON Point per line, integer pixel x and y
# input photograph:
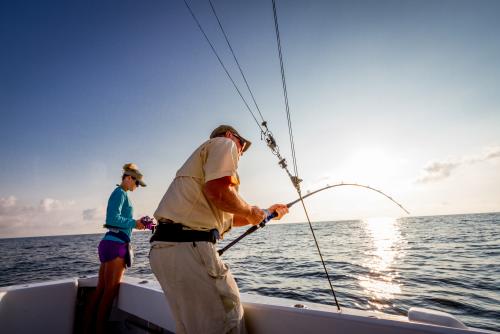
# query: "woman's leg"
{"type": "Point", "coordinates": [113, 272]}
{"type": "Point", "coordinates": [90, 308]}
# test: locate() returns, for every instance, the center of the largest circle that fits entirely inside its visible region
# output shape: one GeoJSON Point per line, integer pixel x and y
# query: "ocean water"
{"type": "Point", "coordinates": [446, 263]}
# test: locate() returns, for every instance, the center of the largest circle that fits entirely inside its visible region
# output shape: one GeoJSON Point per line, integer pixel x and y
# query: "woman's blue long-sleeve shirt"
{"type": "Point", "coordinates": [119, 214]}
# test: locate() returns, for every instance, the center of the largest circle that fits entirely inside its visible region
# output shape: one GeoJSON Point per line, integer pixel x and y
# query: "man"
{"type": "Point", "coordinates": [202, 204]}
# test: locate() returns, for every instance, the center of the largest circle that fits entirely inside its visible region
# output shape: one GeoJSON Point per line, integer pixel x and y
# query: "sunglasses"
{"type": "Point", "coordinates": [242, 142]}
{"type": "Point", "coordinates": [135, 179]}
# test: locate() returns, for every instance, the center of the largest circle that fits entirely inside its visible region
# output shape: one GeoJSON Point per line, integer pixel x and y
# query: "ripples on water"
{"type": "Point", "coordinates": [447, 263]}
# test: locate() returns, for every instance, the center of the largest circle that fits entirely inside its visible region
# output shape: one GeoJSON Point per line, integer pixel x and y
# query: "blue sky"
{"type": "Point", "coordinates": [401, 95]}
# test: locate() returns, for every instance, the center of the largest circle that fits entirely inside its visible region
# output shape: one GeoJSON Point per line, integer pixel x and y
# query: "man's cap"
{"type": "Point", "coordinates": [132, 170]}
{"type": "Point", "coordinates": [222, 129]}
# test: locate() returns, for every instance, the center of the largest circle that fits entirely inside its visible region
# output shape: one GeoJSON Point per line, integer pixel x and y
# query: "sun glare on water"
{"type": "Point", "coordinates": [380, 284]}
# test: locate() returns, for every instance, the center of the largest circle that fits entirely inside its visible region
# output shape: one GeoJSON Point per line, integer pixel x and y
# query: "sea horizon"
{"type": "Point", "coordinates": [274, 223]}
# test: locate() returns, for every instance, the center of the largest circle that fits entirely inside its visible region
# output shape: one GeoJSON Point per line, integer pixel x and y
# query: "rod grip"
{"type": "Point", "coordinates": [269, 216]}
{"type": "Point", "coordinates": [252, 229]}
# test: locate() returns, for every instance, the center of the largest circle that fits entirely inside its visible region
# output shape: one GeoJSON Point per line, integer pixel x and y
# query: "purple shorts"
{"type": "Point", "coordinates": [109, 250]}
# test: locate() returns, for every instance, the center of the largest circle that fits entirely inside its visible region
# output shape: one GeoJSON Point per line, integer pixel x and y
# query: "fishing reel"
{"type": "Point", "coordinates": [148, 223]}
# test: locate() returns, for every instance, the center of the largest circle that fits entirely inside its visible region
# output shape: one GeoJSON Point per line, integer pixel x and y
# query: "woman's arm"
{"type": "Point", "coordinates": [114, 212]}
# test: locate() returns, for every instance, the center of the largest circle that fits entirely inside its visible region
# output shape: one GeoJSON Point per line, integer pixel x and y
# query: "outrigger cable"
{"type": "Point", "coordinates": [265, 133]}
{"type": "Point", "coordinates": [295, 179]}
{"type": "Point", "coordinates": [222, 64]}
{"type": "Point", "coordinates": [235, 59]}
{"type": "Point", "coordinates": [285, 95]}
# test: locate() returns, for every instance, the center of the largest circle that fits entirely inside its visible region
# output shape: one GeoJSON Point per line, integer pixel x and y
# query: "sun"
{"type": "Point", "coordinates": [371, 165]}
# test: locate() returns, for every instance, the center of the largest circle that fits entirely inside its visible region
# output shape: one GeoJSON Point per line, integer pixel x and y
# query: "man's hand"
{"type": "Point", "coordinates": [280, 209]}
{"type": "Point", "coordinates": [256, 216]}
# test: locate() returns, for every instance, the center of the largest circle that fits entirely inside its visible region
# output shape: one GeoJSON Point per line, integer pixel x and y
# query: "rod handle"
{"type": "Point", "coordinates": [252, 229]}
{"type": "Point", "coordinates": [269, 216]}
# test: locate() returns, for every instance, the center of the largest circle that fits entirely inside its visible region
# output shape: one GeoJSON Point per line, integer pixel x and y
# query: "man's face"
{"type": "Point", "coordinates": [240, 144]}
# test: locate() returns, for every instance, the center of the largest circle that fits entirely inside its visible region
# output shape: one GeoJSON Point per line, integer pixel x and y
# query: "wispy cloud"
{"type": "Point", "coordinates": [7, 202]}
{"type": "Point", "coordinates": [10, 206]}
{"type": "Point", "coordinates": [440, 170]}
{"type": "Point", "coordinates": [49, 216]}
{"type": "Point", "coordinates": [491, 153]}
{"type": "Point", "coordinates": [50, 204]}
{"type": "Point", "coordinates": [94, 214]}
{"type": "Point", "coordinates": [436, 170]}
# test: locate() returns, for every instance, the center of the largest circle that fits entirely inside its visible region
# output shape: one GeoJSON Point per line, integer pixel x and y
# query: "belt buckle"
{"type": "Point", "coordinates": [214, 235]}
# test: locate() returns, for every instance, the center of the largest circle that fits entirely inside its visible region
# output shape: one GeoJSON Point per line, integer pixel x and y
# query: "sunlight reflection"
{"type": "Point", "coordinates": [386, 240]}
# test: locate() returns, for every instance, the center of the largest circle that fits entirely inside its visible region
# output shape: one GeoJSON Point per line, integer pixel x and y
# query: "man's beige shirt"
{"type": "Point", "coordinates": [184, 201]}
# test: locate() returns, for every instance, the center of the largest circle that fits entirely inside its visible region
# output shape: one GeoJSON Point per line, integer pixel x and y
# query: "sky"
{"type": "Point", "coordinates": [402, 96]}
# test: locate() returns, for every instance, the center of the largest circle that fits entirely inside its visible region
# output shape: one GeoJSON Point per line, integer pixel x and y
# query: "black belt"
{"type": "Point", "coordinates": [174, 232]}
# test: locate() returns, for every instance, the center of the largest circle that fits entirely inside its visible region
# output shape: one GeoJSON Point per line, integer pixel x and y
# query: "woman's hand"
{"type": "Point", "coordinates": [148, 222]}
{"type": "Point", "coordinates": [139, 225]}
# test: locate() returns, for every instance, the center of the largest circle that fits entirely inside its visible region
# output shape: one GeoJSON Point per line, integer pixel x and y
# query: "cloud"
{"type": "Point", "coordinates": [7, 202]}
{"type": "Point", "coordinates": [435, 171]}
{"type": "Point", "coordinates": [492, 153]}
{"type": "Point", "coordinates": [440, 170]}
{"type": "Point", "coordinates": [93, 214]}
{"type": "Point", "coordinates": [9, 207]}
{"type": "Point", "coordinates": [50, 216]}
{"type": "Point", "coordinates": [50, 204]}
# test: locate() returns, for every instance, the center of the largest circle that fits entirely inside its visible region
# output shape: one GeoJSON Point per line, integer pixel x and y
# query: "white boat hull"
{"type": "Point", "coordinates": [56, 306]}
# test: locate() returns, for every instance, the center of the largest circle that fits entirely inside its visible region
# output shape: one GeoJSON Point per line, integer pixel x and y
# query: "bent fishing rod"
{"type": "Point", "coordinates": [272, 215]}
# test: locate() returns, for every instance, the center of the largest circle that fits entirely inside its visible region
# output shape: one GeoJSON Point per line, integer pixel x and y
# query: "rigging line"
{"type": "Point", "coordinates": [267, 134]}
{"type": "Point", "coordinates": [222, 64]}
{"type": "Point", "coordinates": [236, 59]}
{"type": "Point", "coordinates": [320, 255]}
{"type": "Point", "coordinates": [292, 146]}
{"type": "Point", "coordinates": [264, 130]}
{"type": "Point", "coordinates": [285, 93]}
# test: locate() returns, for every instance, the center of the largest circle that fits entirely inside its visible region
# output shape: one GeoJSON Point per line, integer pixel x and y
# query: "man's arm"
{"type": "Point", "coordinates": [240, 221]}
{"type": "Point", "coordinates": [222, 193]}
{"type": "Point", "coordinates": [280, 209]}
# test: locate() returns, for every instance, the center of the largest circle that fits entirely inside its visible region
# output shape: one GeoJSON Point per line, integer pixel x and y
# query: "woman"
{"type": "Point", "coordinates": [114, 250]}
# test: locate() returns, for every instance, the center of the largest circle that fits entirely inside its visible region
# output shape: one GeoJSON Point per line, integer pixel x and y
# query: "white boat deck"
{"type": "Point", "coordinates": [54, 307]}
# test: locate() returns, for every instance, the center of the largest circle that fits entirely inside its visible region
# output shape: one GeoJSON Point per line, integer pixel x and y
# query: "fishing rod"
{"type": "Point", "coordinates": [272, 215]}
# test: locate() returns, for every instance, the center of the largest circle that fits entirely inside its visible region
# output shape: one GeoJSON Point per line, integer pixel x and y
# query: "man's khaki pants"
{"type": "Point", "coordinates": [199, 287]}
